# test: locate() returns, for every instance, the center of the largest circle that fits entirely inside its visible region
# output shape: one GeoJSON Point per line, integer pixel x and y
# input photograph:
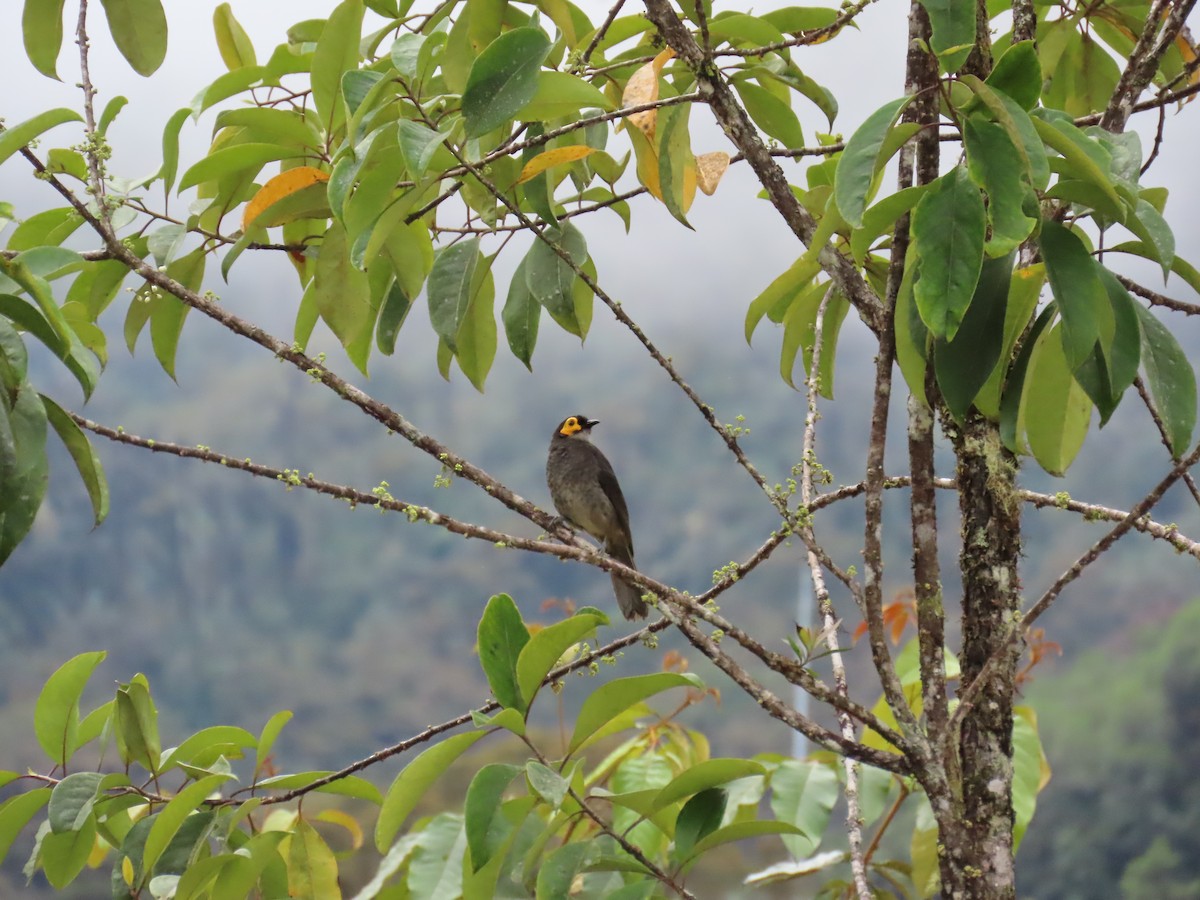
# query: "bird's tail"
{"type": "Point", "coordinates": [629, 596]}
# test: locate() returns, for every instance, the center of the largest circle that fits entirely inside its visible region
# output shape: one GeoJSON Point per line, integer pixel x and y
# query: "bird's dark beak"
{"type": "Point", "coordinates": [588, 423]}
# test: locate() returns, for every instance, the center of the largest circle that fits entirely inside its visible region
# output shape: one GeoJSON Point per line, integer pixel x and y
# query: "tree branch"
{"type": "Point", "coordinates": [741, 131]}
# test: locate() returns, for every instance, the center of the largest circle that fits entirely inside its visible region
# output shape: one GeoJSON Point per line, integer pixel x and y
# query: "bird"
{"type": "Point", "coordinates": [586, 494]}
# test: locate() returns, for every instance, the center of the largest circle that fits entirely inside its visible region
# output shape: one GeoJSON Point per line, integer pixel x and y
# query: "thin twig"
{"type": "Point", "coordinates": [829, 621]}
{"type": "Point", "coordinates": [601, 32]}
{"type": "Point", "coordinates": [95, 166]}
{"type": "Point", "coordinates": [1157, 299]}
{"type": "Point", "coordinates": [814, 36]}
{"type": "Point", "coordinates": [1148, 402]}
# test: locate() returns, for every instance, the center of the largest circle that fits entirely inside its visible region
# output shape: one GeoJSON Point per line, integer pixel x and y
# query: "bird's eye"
{"type": "Point", "coordinates": [571, 423]}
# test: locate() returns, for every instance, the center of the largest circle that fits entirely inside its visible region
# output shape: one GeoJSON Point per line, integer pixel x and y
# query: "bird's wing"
{"type": "Point", "coordinates": [612, 490]}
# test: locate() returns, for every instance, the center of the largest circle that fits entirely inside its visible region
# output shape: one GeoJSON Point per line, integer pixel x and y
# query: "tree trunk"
{"type": "Point", "coordinates": [978, 862]}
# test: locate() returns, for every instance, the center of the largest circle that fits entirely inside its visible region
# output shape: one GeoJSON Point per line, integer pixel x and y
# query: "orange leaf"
{"type": "Point", "coordinates": [642, 87]}
{"type": "Point", "coordinates": [555, 157]}
{"type": "Point", "coordinates": [709, 169]}
{"type": "Point", "coordinates": [282, 185]}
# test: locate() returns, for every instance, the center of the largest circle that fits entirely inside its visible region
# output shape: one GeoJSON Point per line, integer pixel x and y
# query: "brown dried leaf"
{"type": "Point", "coordinates": [641, 88]}
{"type": "Point", "coordinates": [709, 169]}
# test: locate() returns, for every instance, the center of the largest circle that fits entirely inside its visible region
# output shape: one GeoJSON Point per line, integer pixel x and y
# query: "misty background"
{"type": "Point", "coordinates": [238, 599]}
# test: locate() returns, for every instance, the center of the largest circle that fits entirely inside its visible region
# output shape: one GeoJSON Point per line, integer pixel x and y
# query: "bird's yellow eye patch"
{"type": "Point", "coordinates": [570, 426]}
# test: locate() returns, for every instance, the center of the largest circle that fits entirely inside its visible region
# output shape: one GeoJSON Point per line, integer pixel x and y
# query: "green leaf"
{"type": "Point", "coordinates": [882, 217]}
{"type": "Point", "coordinates": [165, 242]}
{"type": "Point", "coordinates": [72, 801]}
{"type": "Point", "coordinates": [738, 831]}
{"type": "Point", "coordinates": [1030, 770]}
{"type": "Point", "coordinates": [799, 330]}
{"type": "Point", "coordinates": [948, 227]}
{"type": "Point", "coordinates": [994, 164]}
{"type": "Point", "coordinates": [558, 873]}
{"type": "Point", "coordinates": [171, 817]}
{"type": "Point", "coordinates": [547, 783]}
{"type": "Point", "coordinates": [240, 158]}
{"type": "Point", "coordinates": [336, 52]}
{"type": "Point", "coordinates": [550, 278]}
{"type": "Point", "coordinates": [137, 725]}
{"type": "Point", "coordinates": [484, 824]}
{"type": "Point", "coordinates": [1086, 158]}
{"type": "Point", "coordinates": [64, 855]}
{"type": "Point", "coordinates": [856, 166]}
{"type": "Point", "coordinates": [521, 316]}
{"type": "Point", "coordinates": [780, 291]}
{"type": "Point", "coordinates": [168, 312]}
{"type": "Point", "coordinates": [418, 144]}
{"type": "Point", "coordinates": [312, 870]}
{"type": "Point", "coordinates": [56, 717]}
{"type": "Point", "coordinates": [699, 818]}
{"type": "Point", "coordinates": [271, 126]}
{"type": "Point", "coordinates": [47, 228]}
{"type": "Point", "coordinates": [802, 795]}
{"type": "Point", "coordinates": [1055, 409]}
{"type": "Point", "coordinates": [704, 775]}
{"type": "Point", "coordinates": [234, 44]}
{"type": "Point", "coordinates": [266, 740]}
{"type": "Point", "coordinates": [912, 337]}
{"type": "Point", "coordinates": [964, 364]}
{"type": "Point", "coordinates": [42, 29]}
{"type": "Point", "coordinates": [1106, 375]}
{"type": "Point", "coordinates": [1149, 224]}
{"type": "Point", "coordinates": [26, 419]}
{"type": "Point", "coordinates": [1171, 380]}
{"type": "Point", "coordinates": [15, 814]}
{"type": "Point", "coordinates": [393, 312]}
{"type": "Point", "coordinates": [410, 785]}
{"type": "Point", "coordinates": [676, 162]}
{"type": "Point", "coordinates": [14, 138]}
{"type": "Point", "coordinates": [609, 700]}
{"type": "Point", "coordinates": [1023, 293]}
{"type": "Point", "coordinates": [1011, 421]}
{"type": "Point", "coordinates": [560, 94]}
{"type": "Point", "coordinates": [502, 636]}
{"type": "Point", "coordinates": [449, 287]}
{"type": "Point", "coordinates": [773, 115]}
{"type": "Point", "coordinates": [348, 786]}
{"type": "Point", "coordinates": [85, 458]}
{"type": "Point", "coordinates": [1019, 127]}
{"type": "Point", "coordinates": [503, 79]}
{"type": "Point", "coordinates": [235, 82]}
{"type": "Point", "coordinates": [405, 54]}
{"type": "Point", "coordinates": [923, 849]}
{"type": "Point", "coordinates": [139, 29]}
{"type": "Point", "coordinates": [1082, 301]}
{"type": "Point", "coordinates": [953, 31]}
{"type": "Point", "coordinates": [341, 290]}
{"type": "Point", "coordinates": [1018, 73]}
{"type": "Point", "coordinates": [1084, 78]}
{"type": "Point", "coordinates": [475, 343]}
{"type": "Point", "coordinates": [544, 650]}
{"type": "Point", "coordinates": [170, 147]}
{"type": "Point", "coordinates": [741, 29]}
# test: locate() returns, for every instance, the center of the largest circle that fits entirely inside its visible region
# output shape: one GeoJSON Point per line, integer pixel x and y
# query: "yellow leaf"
{"type": "Point", "coordinates": [555, 157]}
{"type": "Point", "coordinates": [647, 163]}
{"type": "Point", "coordinates": [709, 169]}
{"type": "Point", "coordinates": [1187, 50]}
{"type": "Point", "coordinates": [641, 88]}
{"type": "Point", "coordinates": [282, 185]}
{"type": "Point", "coordinates": [346, 821]}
